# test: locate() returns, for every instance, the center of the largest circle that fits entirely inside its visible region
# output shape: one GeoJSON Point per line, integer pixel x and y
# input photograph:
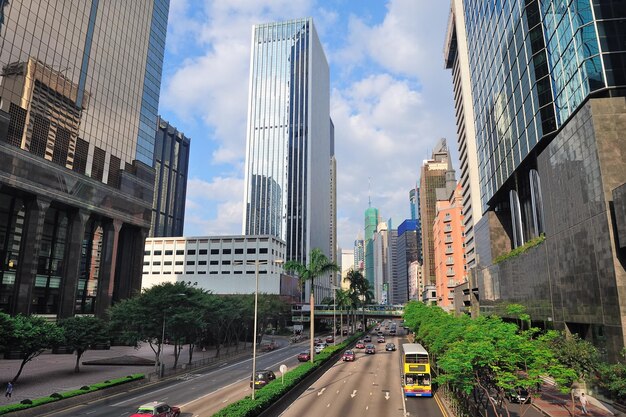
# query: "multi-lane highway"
{"type": "Point", "coordinates": [370, 385]}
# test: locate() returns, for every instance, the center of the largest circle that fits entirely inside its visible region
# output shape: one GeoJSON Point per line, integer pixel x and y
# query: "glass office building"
{"type": "Point", "coordinates": [548, 84]}
{"type": "Point", "coordinates": [289, 144]}
{"type": "Point", "coordinates": [79, 92]}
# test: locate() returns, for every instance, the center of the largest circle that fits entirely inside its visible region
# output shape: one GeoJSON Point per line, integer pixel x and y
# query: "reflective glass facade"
{"type": "Point", "coordinates": [289, 147]}
{"type": "Point", "coordinates": [533, 63]}
{"type": "Point", "coordinates": [80, 80]}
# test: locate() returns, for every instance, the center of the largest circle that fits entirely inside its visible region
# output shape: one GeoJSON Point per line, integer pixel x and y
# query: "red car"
{"type": "Point", "coordinates": [360, 345]}
{"type": "Point", "coordinates": [370, 349]}
{"type": "Point", "coordinates": [348, 356]}
{"type": "Point", "coordinates": [157, 409]}
{"type": "Point", "coordinates": [330, 339]}
{"type": "Point", "coordinates": [304, 356]}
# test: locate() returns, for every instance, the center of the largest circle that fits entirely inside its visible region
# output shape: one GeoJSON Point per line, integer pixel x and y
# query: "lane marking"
{"type": "Point", "coordinates": [321, 392]}
{"type": "Point", "coordinates": [440, 405]}
{"type": "Point", "coordinates": [353, 394]}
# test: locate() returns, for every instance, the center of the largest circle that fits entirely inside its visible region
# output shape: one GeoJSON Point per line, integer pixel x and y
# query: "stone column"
{"type": "Point", "coordinates": [29, 254]}
{"type": "Point", "coordinates": [108, 263]}
{"type": "Point", "coordinates": [130, 262]}
{"type": "Point", "coordinates": [73, 254]}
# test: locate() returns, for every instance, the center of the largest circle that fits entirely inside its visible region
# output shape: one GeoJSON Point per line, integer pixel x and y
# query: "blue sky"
{"type": "Point", "coordinates": [391, 99]}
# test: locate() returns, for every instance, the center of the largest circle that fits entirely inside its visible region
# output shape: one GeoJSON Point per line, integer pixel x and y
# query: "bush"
{"type": "Point", "coordinates": [26, 401]}
{"type": "Point", "coordinates": [85, 387]}
{"type": "Point", "coordinates": [56, 395]}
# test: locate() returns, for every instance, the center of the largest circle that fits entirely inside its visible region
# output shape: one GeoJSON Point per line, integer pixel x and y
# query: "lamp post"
{"type": "Point", "coordinates": [256, 312]}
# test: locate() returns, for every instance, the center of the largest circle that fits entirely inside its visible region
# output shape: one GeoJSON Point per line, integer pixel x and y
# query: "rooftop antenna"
{"type": "Point", "coordinates": [369, 191]}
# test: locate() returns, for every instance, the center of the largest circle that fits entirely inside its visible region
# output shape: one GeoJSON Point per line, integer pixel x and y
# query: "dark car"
{"type": "Point", "coordinates": [519, 395]}
{"type": "Point", "coordinates": [367, 339]}
{"type": "Point", "coordinates": [381, 339]}
{"type": "Point", "coordinates": [304, 356]}
{"type": "Point", "coordinates": [390, 347]}
{"type": "Point", "coordinates": [158, 409]}
{"type": "Point", "coordinates": [348, 356]}
{"type": "Point", "coordinates": [262, 378]}
{"type": "Point", "coordinates": [370, 349]}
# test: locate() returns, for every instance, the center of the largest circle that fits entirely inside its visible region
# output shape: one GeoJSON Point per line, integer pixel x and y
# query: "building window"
{"type": "Point", "coordinates": [190, 272]}
{"type": "Point", "coordinates": [146, 252]}
{"type": "Point", "coordinates": [214, 263]}
{"type": "Point", "coordinates": [238, 251]}
{"type": "Point", "coordinates": [226, 251]}
{"type": "Point", "coordinates": [180, 252]}
{"type": "Point", "coordinates": [213, 273]}
{"type": "Point", "coordinates": [251, 250]}
{"type": "Point", "coordinates": [191, 252]}
{"type": "Point", "coordinates": [201, 272]}
{"type": "Point", "coordinates": [263, 250]}
{"type": "Point", "coordinates": [157, 253]}
{"type": "Point", "coordinates": [146, 263]}
{"type": "Point", "coordinates": [201, 262]}
{"type": "Point", "coordinates": [156, 263]}
{"type": "Point", "coordinates": [191, 262]}
{"type": "Point", "coordinates": [215, 251]}
{"type": "Point", "coordinates": [179, 262]}
{"type": "Point", "coordinates": [202, 252]}
{"type": "Point", "coordinates": [97, 166]}
{"type": "Point", "coordinates": [225, 262]}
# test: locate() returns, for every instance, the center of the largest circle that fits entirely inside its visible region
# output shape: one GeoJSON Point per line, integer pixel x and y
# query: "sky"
{"type": "Point", "coordinates": [391, 100]}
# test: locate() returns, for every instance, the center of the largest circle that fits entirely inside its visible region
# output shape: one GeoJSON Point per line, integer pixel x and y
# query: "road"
{"type": "Point", "coordinates": [198, 394]}
{"type": "Point", "coordinates": [369, 386]}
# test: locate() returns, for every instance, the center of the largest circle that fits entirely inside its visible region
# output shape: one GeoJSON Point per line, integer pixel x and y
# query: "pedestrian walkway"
{"type": "Point", "coordinates": [553, 403]}
{"type": "Point", "coordinates": [49, 373]}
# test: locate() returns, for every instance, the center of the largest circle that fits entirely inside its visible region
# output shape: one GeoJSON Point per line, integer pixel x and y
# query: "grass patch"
{"type": "Point", "coordinates": [521, 249]}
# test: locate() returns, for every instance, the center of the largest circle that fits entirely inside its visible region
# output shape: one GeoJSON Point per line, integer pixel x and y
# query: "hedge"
{"type": "Point", "coordinates": [57, 396]}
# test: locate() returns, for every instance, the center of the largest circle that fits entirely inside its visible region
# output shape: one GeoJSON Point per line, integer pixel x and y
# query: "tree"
{"type": "Point", "coordinates": [6, 329]}
{"type": "Point", "coordinates": [361, 290]}
{"type": "Point", "coordinates": [613, 377]}
{"type": "Point", "coordinates": [32, 335]}
{"type": "Point", "coordinates": [342, 301]}
{"type": "Point", "coordinates": [81, 333]}
{"type": "Point", "coordinates": [579, 357]}
{"type": "Point", "coordinates": [318, 266]}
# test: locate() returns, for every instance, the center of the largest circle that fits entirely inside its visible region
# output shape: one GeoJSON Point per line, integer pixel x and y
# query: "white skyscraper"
{"type": "Point", "coordinates": [289, 146]}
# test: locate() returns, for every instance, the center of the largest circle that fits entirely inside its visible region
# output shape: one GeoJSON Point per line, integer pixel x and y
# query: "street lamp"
{"type": "Point", "coordinates": [160, 359]}
{"type": "Point", "coordinates": [256, 312]}
{"type": "Point", "coordinates": [335, 288]}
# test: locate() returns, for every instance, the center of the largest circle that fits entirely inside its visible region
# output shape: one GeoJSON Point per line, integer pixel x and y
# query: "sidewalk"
{"type": "Point", "coordinates": [50, 373]}
{"type": "Point", "coordinates": [556, 404]}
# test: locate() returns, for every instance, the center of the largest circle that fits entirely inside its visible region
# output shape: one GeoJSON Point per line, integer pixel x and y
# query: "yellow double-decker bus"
{"type": "Point", "coordinates": [416, 371]}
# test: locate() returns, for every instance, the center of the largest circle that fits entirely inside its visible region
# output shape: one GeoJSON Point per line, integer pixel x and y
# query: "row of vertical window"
{"type": "Point", "coordinates": [204, 272]}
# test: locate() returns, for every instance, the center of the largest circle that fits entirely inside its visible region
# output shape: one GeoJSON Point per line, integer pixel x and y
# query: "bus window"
{"type": "Point", "coordinates": [423, 380]}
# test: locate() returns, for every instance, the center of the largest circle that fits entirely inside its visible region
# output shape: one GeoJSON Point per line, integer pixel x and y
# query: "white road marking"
{"type": "Point", "coordinates": [353, 394]}
{"type": "Point", "coordinates": [386, 395]}
{"type": "Point", "coordinates": [321, 392]}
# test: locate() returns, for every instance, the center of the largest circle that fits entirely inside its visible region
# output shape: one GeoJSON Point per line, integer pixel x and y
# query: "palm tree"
{"type": "Point", "coordinates": [318, 266]}
{"type": "Point", "coordinates": [342, 300]}
{"type": "Point", "coordinates": [361, 291]}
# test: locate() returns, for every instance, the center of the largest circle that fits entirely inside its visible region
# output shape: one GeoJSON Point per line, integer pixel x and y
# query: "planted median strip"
{"type": "Point", "coordinates": [57, 396]}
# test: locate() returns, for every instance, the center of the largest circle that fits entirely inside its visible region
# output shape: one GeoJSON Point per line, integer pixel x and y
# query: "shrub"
{"type": "Point", "coordinates": [56, 395]}
{"type": "Point", "coordinates": [26, 401]}
{"type": "Point", "coordinates": [84, 387]}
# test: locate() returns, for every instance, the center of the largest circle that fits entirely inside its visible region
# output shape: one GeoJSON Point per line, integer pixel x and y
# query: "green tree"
{"type": "Point", "coordinates": [361, 291]}
{"type": "Point", "coordinates": [579, 358]}
{"type": "Point", "coordinates": [612, 377]}
{"type": "Point", "coordinates": [81, 333]}
{"type": "Point", "coordinates": [6, 329]}
{"type": "Point", "coordinates": [318, 266]}
{"type": "Point", "coordinates": [519, 312]}
{"type": "Point", "coordinates": [342, 301]}
{"type": "Point", "coordinates": [32, 335]}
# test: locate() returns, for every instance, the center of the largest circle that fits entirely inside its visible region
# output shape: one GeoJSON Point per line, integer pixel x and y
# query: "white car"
{"type": "Point", "coordinates": [320, 347]}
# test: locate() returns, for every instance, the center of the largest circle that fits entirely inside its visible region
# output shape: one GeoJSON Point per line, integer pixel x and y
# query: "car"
{"type": "Point", "coordinates": [330, 339]}
{"type": "Point", "coordinates": [262, 378]}
{"type": "Point", "coordinates": [319, 348]}
{"type": "Point", "coordinates": [318, 340]}
{"type": "Point", "coordinates": [519, 395]}
{"type": "Point", "coordinates": [377, 328]}
{"type": "Point", "coordinates": [370, 349]}
{"type": "Point", "coordinates": [348, 356]}
{"type": "Point", "coordinates": [158, 409]}
{"type": "Point", "coordinates": [304, 356]}
{"type": "Point", "coordinates": [390, 347]}
{"type": "Point", "coordinates": [392, 332]}
{"type": "Point", "coordinates": [381, 339]}
{"type": "Point", "coordinates": [367, 339]}
{"type": "Point", "coordinates": [360, 345]}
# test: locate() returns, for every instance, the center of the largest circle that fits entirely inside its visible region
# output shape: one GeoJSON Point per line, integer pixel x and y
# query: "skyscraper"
{"type": "Point", "coordinates": [371, 223]}
{"type": "Point", "coordinates": [548, 86]}
{"type": "Point", "coordinates": [78, 105]}
{"type": "Point", "coordinates": [456, 58]}
{"type": "Point", "coordinates": [289, 146]}
{"type": "Point", "coordinates": [413, 204]}
{"type": "Point", "coordinates": [171, 162]}
{"type": "Point", "coordinates": [359, 253]}
{"type": "Point", "coordinates": [433, 176]}
{"type": "Point", "coordinates": [407, 251]}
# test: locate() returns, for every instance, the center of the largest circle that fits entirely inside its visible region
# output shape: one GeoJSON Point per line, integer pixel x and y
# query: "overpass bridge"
{"type": "Point", "coordinates": [375, 311]}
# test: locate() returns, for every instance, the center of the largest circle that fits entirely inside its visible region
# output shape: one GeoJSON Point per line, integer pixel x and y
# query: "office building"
{"type": "Point", "coordinates": [416, 283]}
{"type": "Point", "coordinates": [456, 59]}
{"type": "Point", "coordinates": [171, 162]}
{"type": "Point", "coordinates": [220, 264]}
{"type": "Point", "coordinates": [433, 176]}
{"type": "Point", "coordinates": [371, 223]}
{"type": "Point", "coordinates": [392, 262]}
{"type": "Point", "coordinates": [448, 234]}
{"type": "Point", "coordinates": [548, 87]}
{"type": "Point", "coordinates": [289, 146]}
{"type": "Point", "coordinates": [347, 264]}
{"type": "Point", "coordinates": [79, 95]}
{"type": "Point", "coordinates": [413, 202]}
{"type": "Point", "coordinates": [380, 240]}
{"type": "Point", "coordinates": [407, 251]}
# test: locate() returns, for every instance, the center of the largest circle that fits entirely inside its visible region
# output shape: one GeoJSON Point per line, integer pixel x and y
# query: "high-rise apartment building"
{"type": "Point", "coordinates": [289, 145]}
{"type": "Point", "coordinates": [456, 58]}
{"type": "Point", "coordinates": [171, 162]}
{"type": "Point", "coordinates": [79, 94]}
{"type": "Point", "coordinates": [448, 234]}
{"type": "Point", "coordinates": [413, 202]}
{"type": "Point", "coordinates": [433, 176]}
{"type": "Point", "coordinates": [359, 254]}
{"type": "Point", "coordinates": [381, 263]}
{"type": "Point", "coordinates": [392, 262]}
{"type": "Point", "coordinates": [548, 89]}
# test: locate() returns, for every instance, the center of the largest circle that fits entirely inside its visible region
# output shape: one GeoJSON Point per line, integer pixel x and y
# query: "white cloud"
{"type": "Point", "coordinates": [224, 195]}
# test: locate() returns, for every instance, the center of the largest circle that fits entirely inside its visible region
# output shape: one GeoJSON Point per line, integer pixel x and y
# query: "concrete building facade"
{"type": "Point", "coordinates": [449, 240]}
